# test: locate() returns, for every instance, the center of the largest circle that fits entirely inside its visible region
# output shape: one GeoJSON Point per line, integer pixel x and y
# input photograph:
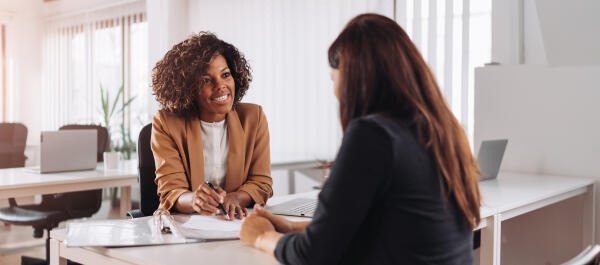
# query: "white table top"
{"type": "Point", "coordinates": [512, 190]}
{"type": "Point", "coordinates": [22, 178]}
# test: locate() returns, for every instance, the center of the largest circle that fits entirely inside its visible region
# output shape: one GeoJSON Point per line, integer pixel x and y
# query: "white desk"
{"type": "Point", "coordinates": [504, 198]}
{"type": "Point", "coordinates": [514, 194]}
{"type": "Point", "coordinates": [19, 182]}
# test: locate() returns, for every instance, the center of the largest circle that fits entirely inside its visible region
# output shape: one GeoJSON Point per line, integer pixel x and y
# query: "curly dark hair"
{"type": "Point", "coordinates": [176, 78]}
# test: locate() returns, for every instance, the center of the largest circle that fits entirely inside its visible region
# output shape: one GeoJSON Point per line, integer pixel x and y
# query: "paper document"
{"type": "Point", "coordinates": [214, 223]}
{"type": "Point", "coordinates": [207, 227]}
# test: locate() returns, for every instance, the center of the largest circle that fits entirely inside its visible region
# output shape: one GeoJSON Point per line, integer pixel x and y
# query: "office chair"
{"type": "Point", "coordinates": [146, 175]}
{"type": "Point", "coordinates": [13, 137]}
{"type": "Point", "coordinates": [56, 208]}
{"type": "Point", "coordinates": [589, 256]}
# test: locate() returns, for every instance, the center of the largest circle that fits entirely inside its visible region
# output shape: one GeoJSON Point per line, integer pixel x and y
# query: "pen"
{"type": "Point", "coordinates": [220, 204]}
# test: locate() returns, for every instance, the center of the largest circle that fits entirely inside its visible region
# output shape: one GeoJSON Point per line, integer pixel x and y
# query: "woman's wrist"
{"type": "Point", "coordinates": [184, 202]}
{"type": "Point", "coordinates": [242, 197]}
{"type": "Point", "coordinates": [268, 241]}
{"type": "Point", "coordinates": [298, 227]}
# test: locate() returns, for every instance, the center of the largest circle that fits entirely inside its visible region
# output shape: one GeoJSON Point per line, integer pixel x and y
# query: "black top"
{"type": "Point", "coordinates": [383, 203]}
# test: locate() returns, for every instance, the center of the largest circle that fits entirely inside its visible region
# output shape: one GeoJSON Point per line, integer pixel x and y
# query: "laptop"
{"type": "Point", "coordinates": [67, 150]}
{"type": "Point", "coordinates": [490, 157]}
{"type": "Point", "coordinates": [302, 207]}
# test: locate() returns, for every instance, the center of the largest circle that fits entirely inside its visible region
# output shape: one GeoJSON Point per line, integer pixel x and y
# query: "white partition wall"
{"type": "Point", "coordinates": [550, 115]}
{"type": "Point", "coordinates": [551, 118]}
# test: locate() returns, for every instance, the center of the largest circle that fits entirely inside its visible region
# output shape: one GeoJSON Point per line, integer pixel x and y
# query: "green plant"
{"type": "Point", "coordinates": [109, 111]}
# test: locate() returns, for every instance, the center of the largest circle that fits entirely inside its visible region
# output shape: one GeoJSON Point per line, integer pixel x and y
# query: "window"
{"type": "Point", "coordinates": [107, 50]}
{"type": "Point", "coordinates": [454, 37]}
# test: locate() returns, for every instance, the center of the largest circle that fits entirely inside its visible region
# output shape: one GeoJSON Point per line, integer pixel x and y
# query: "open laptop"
{"type": "Point", "coordinates": [67, 150]}
{"type": "Point", "coordinates": [490, 157]}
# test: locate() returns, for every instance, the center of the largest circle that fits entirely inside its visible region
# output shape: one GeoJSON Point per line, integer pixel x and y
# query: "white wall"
{"type": "Point", "coordinates": [570, 31]}
{"type": "Point", "coordinates": [23, 50]}
{"type": "Point", "coordinates": [546, 32]}
{"type": "Point", "coordinates": [516, 33]}
{"type": "Point", "coordinates": [167, 26]}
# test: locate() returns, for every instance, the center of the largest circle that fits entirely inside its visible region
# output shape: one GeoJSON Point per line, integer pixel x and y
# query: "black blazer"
{"type": "Point", "coordinates": [382, 204]}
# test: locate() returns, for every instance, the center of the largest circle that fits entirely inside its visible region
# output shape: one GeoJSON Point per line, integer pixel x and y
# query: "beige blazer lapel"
{"type": "Point", "coordinates": [237, 150]}
{"type": "Point", "coordinates": [195, 153]}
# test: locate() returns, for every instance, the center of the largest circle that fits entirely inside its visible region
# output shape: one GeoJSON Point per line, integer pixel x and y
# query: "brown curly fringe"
{"type": "Point", "coordinates": [176, 78]}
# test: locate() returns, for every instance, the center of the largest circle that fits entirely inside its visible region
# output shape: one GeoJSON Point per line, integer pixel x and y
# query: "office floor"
{"type": "Point", "coordinates": [16, 241]}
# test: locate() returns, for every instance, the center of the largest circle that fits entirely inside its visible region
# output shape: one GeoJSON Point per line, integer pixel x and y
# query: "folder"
{"type": "Point", "coordinates": [146, 231]}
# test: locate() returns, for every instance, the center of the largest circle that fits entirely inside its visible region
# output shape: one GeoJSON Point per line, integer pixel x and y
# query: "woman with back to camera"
{"type": "Point", "coordinates": [204, 134]}
{"type": "Point", "coordinates": [403, 188]}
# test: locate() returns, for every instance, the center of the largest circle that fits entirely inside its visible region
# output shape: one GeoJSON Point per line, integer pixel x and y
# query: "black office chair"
{"type": "Point", "coordinates": [146, 175]}
{"type": "Point", "coordinates": [56, 208]}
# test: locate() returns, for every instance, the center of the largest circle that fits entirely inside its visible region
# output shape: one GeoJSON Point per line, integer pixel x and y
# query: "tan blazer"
{"type": "Point", "coordinates": [179, 159]}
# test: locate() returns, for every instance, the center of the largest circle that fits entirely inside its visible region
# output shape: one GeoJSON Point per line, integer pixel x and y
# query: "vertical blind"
{"type": "Point", "coordinates": [454, 37]}
{"type": "Point", "coordinates": [286, 44]}
{"type": "Point", "coordinates": [105, 48]}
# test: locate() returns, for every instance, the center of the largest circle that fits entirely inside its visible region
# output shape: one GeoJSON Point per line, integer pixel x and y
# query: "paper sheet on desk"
{"type": "Point", "coordinates": [208, 227]}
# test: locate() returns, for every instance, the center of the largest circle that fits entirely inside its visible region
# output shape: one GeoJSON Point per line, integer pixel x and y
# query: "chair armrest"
{"type": "Point", "coordinates": [137, 213]}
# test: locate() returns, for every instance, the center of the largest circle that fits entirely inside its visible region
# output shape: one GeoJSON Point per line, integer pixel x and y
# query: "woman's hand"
{"type": "Point", "coordinates": [253, 227]}
{"type": "Point", "coordinates": [206, 200]}
{"type": "Point", "coordinates": [235, 203]}
{"type": "Point", "coordinates": [281, 224]}
{"type": "Point", "coordinates": [258, 232]}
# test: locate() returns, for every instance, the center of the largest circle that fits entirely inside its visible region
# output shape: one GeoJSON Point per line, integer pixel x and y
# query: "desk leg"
{"type": "Point", "coordinates": [589, 216]}
{"type": "Point", "coordinates": [489, 253]}
{"type": "Point", "coordinates": [291, 181]}
{"type": "Point", "coordinates": [55, 258]}
{"type": "Point", "coordinates": [125, 200]}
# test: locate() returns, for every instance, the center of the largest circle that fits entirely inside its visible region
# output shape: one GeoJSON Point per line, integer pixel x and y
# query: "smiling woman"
{"type": "Point", "coordinates": [203, 134]}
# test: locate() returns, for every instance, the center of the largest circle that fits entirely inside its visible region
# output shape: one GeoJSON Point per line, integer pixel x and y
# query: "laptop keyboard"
{"type": "Point", "coordinates": [308, 207]}
{"type": "Point", "coordinates": [302, 207]}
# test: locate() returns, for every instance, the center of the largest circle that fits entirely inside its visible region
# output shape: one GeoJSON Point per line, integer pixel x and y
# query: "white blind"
{"type": "Point", "coordinates": [82, 51]}
{"type": "Point", "coordinates": [286, 44]}
{"type": "Point", "coordinates": [454, 37]}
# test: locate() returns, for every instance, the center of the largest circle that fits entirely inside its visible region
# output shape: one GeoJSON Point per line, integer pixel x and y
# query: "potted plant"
{"type": "Point", "coordinates": [109, 111]}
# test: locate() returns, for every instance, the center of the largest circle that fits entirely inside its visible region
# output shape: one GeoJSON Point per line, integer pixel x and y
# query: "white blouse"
{"type": "Point", "coordinates": [215, 141]}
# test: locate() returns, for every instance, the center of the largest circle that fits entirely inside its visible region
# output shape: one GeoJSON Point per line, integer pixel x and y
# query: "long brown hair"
{"type": "Point", "coordinates": [381, 71]}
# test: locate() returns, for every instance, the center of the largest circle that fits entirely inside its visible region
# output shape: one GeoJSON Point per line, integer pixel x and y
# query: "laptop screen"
{"type": "Point", "coordinates": [490, 158]}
